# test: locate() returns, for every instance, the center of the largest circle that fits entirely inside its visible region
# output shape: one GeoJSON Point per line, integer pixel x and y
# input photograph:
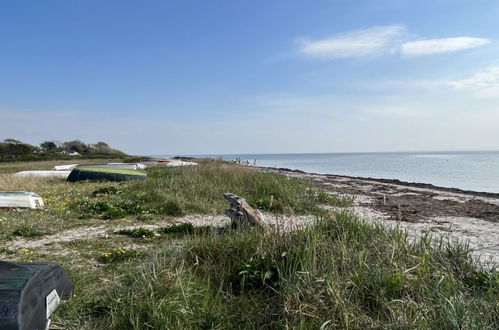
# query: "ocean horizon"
{"type": "Point", "coordinates": [468, 170]}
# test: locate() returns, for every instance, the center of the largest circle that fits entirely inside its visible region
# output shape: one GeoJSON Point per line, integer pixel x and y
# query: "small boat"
{"type": "Point", "coordinates": [125, 166]}
{"type": "Point", "coordinates": [168, 162]}
{"type": "Point", "coordinates": [100, 173]}
{"type": "Point", "coordinates": [15, 199]}
{"type": "Point", "coordinates": [48, 174]}
{"type": "Point", "coordinates": [176, 162]}
{"type": "Point", "coordinates": [68, 167]}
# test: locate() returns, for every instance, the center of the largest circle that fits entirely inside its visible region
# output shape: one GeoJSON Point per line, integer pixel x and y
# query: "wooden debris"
{"type": "Point", "coordinates": [242, 214]}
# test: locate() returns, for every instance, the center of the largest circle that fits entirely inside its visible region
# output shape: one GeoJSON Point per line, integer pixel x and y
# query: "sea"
{"type": "Point", "coordinates": [468, 170]}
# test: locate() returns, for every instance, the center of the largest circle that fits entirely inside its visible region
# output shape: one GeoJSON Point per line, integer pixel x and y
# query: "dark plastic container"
{"type": "Point", "coordinates": [29, 293]}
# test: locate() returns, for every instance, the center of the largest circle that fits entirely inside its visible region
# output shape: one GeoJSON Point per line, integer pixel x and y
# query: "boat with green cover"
{"type": "Point", "coordinates": [96, 173]}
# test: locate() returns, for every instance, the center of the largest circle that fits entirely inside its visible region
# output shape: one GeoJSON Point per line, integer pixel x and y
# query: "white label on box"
{"type": "Point", "coordinates": [52, 301]}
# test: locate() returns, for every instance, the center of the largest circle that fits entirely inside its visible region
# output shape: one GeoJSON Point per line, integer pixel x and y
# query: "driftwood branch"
{"type": "Point", "coordinates": [242, 214]}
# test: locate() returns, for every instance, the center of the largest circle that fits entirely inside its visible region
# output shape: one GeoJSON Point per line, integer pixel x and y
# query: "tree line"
{"type": "Point", "coordinates": [15, 150]}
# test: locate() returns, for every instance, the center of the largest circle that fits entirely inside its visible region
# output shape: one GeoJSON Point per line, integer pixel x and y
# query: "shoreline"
{"type": "Point", "coordinates": [393, 181]}
{"type": "Point", "coordinates": [420, 208]}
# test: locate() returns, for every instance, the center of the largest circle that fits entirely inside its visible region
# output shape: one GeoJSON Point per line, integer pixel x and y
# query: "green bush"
{"type": "Point", "coordinates": [258, 273]}
{"type": "Point", "coordinates": [27, 231]}
{"type": "Point", "coordinates": [111, 190]}
{"type": "Point", "coordinates": [107, 209]}
{"type": "Point", "coordinates": [183, 228]}
{"type": "Point", "coordinates": [119, 255]}
{"type": "Point", "coordinates": [137, 232]}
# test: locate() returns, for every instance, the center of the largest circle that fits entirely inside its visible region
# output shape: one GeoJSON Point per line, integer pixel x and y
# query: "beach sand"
{"type": "Point", "coordinates": [422, 209]}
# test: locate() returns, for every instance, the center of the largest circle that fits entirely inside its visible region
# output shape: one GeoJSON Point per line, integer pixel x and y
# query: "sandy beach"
{"type": "Point", "coordinates": [422, 209]}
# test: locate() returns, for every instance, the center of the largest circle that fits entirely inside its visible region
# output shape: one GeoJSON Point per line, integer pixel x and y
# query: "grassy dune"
{"type": "Point", "coordinates": [339, 272]}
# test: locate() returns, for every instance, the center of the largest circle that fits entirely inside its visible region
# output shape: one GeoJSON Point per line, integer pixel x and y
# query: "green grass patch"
{"type": "Point", "coordinates": [120, 255]}
{"type": "Point", "coordinates": [108, 190]}
{"type": "Point", "coordinates": [28, 231]}
{"type": "Point", "coordinates": [183, 228]}
{"type": "Point", "coordinates": [180, 191]}
{"type": "Point", "coordinates": [107, 209]}
{"type": "Point", "coordinates": [188, 229]}
{"type": "Point", "coordinates": [200, 189]}
{"type": "Point", "coordinates": [137, 232]}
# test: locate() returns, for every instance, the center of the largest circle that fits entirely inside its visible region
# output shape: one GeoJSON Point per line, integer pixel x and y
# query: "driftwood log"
{"type": "Point", "coordinates": [242, 214]}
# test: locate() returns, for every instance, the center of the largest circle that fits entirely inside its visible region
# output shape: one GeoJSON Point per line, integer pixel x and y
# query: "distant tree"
{"type": "Point", "coordinates": [76, 148]}
{"type": "Point", "coordinates": [14, 150]}
{"type": "Point", "coordinates": [14, 141]}
{"type": "Point", "coordinates": [48, 145]}
{"type": "Point", "coordinates": [102, 148]}
{"type": "Point", "coordinates": [76, 145]}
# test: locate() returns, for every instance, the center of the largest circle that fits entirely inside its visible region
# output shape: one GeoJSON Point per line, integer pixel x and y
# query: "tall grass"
{"type": "Point", "coordinates": [339, 273]}
{"type": "Point", "coordinates": [200, 189]}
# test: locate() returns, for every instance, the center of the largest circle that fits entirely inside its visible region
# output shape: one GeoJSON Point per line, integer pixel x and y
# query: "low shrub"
{"type": "Point", "coordinates": [27, 231]}
{"type": "Point", "coordinates": [137, 232]}
{"type": "Point", "coordinates": [111, 190]}
{"type": "Point", "coordinates": [258, 273]}
{"type": "Point", "coordinates": [183, 229]}
{"type": "Point", "coordinates": [107, 209]}
{"type": "Point", "coordinates": [119, 255]}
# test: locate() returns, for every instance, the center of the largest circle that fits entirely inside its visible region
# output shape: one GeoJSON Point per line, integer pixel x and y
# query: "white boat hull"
{"type": "Point", "coordinates": [53, 174]}
{"type": "Point", "coordinates": [20, 199]}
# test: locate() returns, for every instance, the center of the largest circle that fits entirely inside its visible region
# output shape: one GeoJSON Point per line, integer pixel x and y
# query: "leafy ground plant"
{"type": "Point", "coordinates": [28, 231]}
{"type": "Point", "coordinates": [137, 232]}
{"type": "Point", "coordinates": [120, 255]}
{"type": "Point", "coordinates": [108, 190]}
{"type": "Point", "coordinates": [189, 229]}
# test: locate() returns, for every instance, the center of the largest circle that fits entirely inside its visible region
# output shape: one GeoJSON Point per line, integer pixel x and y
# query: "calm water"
{"type": "Point", "coordinates": [477, 171]}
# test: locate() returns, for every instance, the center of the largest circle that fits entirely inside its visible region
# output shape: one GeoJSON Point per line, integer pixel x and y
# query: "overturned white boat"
{"type": "Point", "coordinates": [25, 199]}
{"type": "Point", "coordinates": [53, 174]}
{"type": "Point", "coordinates": [167, 162]}
{"type": "Point", "coordinates": [68, 167]}
{"type": "Point", "coordinates": [125, 166]}
{"type": "Point", "coordinates": [176, 162]}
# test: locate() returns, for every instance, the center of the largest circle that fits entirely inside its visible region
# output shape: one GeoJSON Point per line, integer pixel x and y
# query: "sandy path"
{"type": "Point", "coordinates": [52, 243]}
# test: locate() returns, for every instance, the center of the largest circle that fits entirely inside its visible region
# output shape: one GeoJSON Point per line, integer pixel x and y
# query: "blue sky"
{"type": "Point", "coordinates": [209, 77]}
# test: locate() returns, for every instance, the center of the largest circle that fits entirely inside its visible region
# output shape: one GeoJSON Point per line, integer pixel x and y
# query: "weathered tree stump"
{"type": "Point", "coordinates": [242, 214]}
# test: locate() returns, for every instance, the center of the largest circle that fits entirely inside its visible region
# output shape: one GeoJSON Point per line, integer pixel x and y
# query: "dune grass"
{"type": "Point", "coordinates": [339, 273]}
{"type": "Point", "coordinates": [200, 189]}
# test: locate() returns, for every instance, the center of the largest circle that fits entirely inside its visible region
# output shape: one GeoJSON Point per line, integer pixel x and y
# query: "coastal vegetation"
{"type": "Point", "coordinates": [15, 150]}
{"type": "Point", "coordinates": [137, 262]}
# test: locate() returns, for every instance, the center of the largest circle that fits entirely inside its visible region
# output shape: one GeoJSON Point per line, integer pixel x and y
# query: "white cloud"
{"type": "Point", "coordinates": [372, 41]}
{"type": "Point", "coordinates": [439, 46]}
{"type": "Point", "coordinates": [378, 40]}
{"type": "Point", "coordinates": [483, 84]}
